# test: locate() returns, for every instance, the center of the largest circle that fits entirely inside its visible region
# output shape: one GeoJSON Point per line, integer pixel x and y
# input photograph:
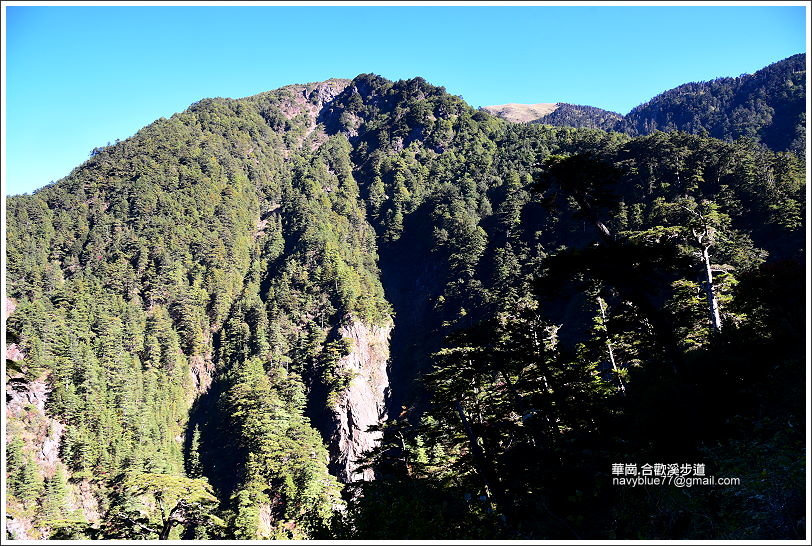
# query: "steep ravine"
{"type": "Point", "coordinates": [345, 423]}
{"type": "Point", "coordinates": [411, 282]}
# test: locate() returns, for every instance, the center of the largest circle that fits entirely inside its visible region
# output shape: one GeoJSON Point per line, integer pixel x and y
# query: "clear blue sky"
{"type": "Point", "coordinates": [78, 77]}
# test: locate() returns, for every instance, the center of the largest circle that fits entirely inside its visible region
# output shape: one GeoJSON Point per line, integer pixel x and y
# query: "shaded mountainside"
{"type": "Point", "coordinates": [559, 114]}
{"type": "Point", "coordinates": [767, 106]}
{"type": "Point", "coordinates": [574, 115]}
{"type": "Point", "coordinates": [363, 309]}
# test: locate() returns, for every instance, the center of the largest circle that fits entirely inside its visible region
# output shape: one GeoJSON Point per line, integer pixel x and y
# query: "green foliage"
{"type": "Point", "coordinates": [284, 470]}
{"type": "Point", "coordinates": [184, 292]}
{"type": "Point", "coordinates": [23, 478]}
{"type": "Point", "coordinates": [150, 506]}
{"type": "Point", "coordinates": [55, 496]}
{"type": "Point", "coordinates": [766, 106]}
{"type": "Point", "coordinates": [572, 115]}
{"type": "Point", "coordinates": [416, 509]}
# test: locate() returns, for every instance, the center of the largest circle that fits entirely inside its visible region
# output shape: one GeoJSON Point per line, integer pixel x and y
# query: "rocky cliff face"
{"type": "Point", "coordinates": [201, 370]}
{"type": "Point", "coordinates": [25, 409]}
{"type": "Point", "coordinates": [27, 419]}
{"type": "Point", "coordinates": [363, 403]}
{"type": "Point", "coordinates": [13, 352]}
{"type": "Point", "coordinates": [27, 405]}
{"type": "Point", "coordinates": [310, 100]}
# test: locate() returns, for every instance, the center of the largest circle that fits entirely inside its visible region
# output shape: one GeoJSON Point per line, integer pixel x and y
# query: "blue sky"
{"type": "Point", "coordinates": [79, 77]}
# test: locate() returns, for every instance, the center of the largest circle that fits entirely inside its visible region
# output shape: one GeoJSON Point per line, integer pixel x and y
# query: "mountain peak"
{"type": "Point", "coordinates": [522, 113]}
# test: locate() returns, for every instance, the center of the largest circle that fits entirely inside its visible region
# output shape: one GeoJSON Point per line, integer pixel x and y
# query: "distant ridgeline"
{"type": "Point", "coordinates": [768, 107]}
{"type": "Point", "coordinates": [361, 309]}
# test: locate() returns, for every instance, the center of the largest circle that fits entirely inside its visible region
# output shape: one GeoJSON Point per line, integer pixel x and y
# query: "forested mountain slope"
{"type": "Point", "coordinates": [767, 106]}
{"type": "Point", "coordinates": [576, 115]}
{"type": "Point", "coordinates": [217, 317]}
{"type": "Point", "coordinates": [559, 114]}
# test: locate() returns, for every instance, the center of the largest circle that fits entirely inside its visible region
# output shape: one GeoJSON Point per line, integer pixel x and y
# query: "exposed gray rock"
{"type": "Point", "coordinates": [326, 91]}
{"type": "Point", "coordinates": [310, 99]}
{"type": "Point", "coordinates": [265, 522]}
{"type": "Point", "coordinates": [34, 394]}
{"type": "Point", "coordinates": [25, 405]}
{"type": "Point", "coordinates": [13, 352]}
{"type": "Point", "coordinates": [18, 528]}
{"type": "Point", "coordinates": [202, 371]}
{"type": "Point", "coordinates": [49, 451]}
{"type": "Point", "coordinates": [363, 403]}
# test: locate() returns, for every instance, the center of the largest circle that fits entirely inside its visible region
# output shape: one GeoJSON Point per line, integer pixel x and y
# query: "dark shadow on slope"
{"type": "Point", "coordinates": [220, 460]}
{"type": "Point", "coordinates": [411, 280]}
{"type": "Point", "coordinates": [321, 415]}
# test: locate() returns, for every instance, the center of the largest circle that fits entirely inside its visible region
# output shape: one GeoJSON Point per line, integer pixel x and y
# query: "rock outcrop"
{"type": "Point", "coordinates": [310, 100]}
{"type": "Point", "coordinates": [27, 419]}
{"type": "Point", "coordinates": [19, 528]}
{"type": "Point", "coordinates": [27, 405]}
{"type": "Point", "coordinates": [363, 403]}
{"type": "Point", "coordinates": [201, 370]}
{"type": "Point", "coordinates": [13, 352]}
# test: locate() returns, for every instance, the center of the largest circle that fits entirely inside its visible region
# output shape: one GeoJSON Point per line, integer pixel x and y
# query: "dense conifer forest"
{"type": "Point", "coordinates": [768, 106]}
{"type": "Point", "coordinates": [362, 309]}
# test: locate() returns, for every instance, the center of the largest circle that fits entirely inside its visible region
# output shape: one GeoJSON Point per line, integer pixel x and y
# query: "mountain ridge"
{"type": "Point", "coordinates": [764, 105]}
{"type": "Point", "coordinates": [251, 309]}
{"type": "Point", "coordinates": [522, 112]}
